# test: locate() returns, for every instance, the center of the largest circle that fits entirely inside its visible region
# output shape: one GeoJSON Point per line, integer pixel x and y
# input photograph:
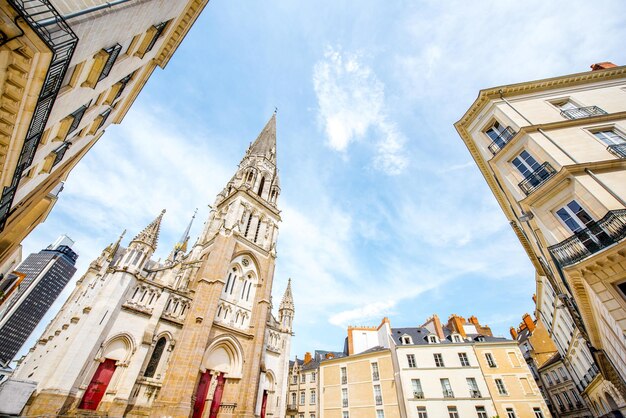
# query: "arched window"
{"type": "Point", "coordinates": [243, 291]}
{"type": "Point", "coordinates": [261, 186]}
{"type": "Point", "coordinates": [155, 357]}
{"type": "Point", "coordinates": [245, 234]}
{"type": "Point", "coordinates": [230, 275]}
{"type": "Point", "coordinates": [219, 310]}
{"type": "Point", "coordinates": [250, 175]}
{"type": "Point", "coordinates": [248, 292]}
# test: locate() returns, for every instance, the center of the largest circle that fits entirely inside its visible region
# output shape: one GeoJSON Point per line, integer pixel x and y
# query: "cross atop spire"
{"type": "Point", "coordinates": [150, 235]}
{"type": "Point", "coordinates": [265, 143]}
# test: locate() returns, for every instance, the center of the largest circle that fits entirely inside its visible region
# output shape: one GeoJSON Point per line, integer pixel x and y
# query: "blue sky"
{"type": "Point", "coordinates": [384, 212]}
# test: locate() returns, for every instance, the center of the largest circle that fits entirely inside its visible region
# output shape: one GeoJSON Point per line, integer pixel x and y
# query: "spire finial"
{"type": "Point", "coordinates": [150, 234]}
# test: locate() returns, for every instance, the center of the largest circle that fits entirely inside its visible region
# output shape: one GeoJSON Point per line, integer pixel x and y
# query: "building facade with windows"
{"type": "Point", "coordinates": [72, 68]}
{"type": "Point", "coordinates": [193, 335]}
{"type": "Point", "coordinates": [562, 392]}
{"type": "Point", "coordinates": [359, 385]}
{"type": "Point", "coordinates": [553, 153]}
{"type": "Point", "coordinates": [36, 284]}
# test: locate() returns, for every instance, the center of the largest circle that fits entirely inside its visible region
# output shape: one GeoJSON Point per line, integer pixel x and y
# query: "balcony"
{"type": "Point", "coordinates": [537, 178]}
{"type": "Point", "coordinates": [604, 233]}
{"type": "Point", "coordinates": [418, 394]}
{"type": "Point", "coordinates": [475, 394]}
{"type": "Point", "coordinates": [583, 112]}
{"type": "Point", "coordinates": [292, 407]}
{"type": "Point", "coordinates": [344, 380]}
{"type": "Point", "coordinates": [618, 150]}
{"type": "Point", "coordinates": [501, 140]}
{"type": "Point", "coordinates": [344, 403]}
{"type": "Point", "coordinates": [379, 400]}
{"type": "Point", "coordinates": [375, 376]}
{"type": "Point", "coordinates": [448, 394]}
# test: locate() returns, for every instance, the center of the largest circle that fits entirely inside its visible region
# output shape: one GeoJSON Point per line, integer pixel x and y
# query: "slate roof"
{"type": "Point", "coordinates": [419, 336]}
{"type": "Point", "coordinates": [556, 357]}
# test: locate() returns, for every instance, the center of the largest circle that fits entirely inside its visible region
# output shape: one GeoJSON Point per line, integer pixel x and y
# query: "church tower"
{"type": "Point", "coordinates": [192, 336]}
{"type": "Point", "coordinates": [220, 360]}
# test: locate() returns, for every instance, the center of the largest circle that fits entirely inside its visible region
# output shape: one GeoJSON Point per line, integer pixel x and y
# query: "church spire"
{"type": "Point", "coordinates": [150, 235]}
{"type": "Point", "coordinates": [287, 301]}
{"type": "Point", "coordinates": [287, 309]}
{"type": "Point", "coordinates": [114, 247]}
{"type": "Point", "coordinates": [181, 245]}
{"type": "Point", "coordinates": [265, 143]}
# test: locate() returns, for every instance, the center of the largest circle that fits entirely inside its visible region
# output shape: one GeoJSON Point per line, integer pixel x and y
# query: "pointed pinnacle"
{"type": "Point", "coordinates": [150, 234]}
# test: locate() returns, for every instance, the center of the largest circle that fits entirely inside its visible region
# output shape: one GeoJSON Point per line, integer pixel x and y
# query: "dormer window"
{"type": "Point", "coordinates": [480, 338]}
{"type": "Point", "coordinates": [406, 339]}
{"type": "Point", "coordinates": [432, 339]}
{"type": "Point", "coordinates": [456, 338]}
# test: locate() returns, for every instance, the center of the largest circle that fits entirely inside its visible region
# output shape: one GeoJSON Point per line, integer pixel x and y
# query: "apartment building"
{"type": "Point", "coordinates": [553, 152]}
{"type": "Point", "coordinates": [454, 369]}
{"type": "Point", "coordinates": [561, 390]}
{"type": "Point", "coordinates": [69, 69]}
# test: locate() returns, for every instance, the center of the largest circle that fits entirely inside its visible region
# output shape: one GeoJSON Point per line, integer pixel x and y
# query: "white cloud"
{"type": "Point", "coordinates": [351, 101]}
{"type": "Point", "coordinates": [364, 314]}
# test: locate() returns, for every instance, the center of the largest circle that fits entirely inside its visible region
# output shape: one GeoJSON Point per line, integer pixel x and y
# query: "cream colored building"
{"type": "Point", "coordinates": [553, 152]}
{"type": "Point", "coordinates": [193, 335]}
{"type": "Point", "coordinates": [68, 69]}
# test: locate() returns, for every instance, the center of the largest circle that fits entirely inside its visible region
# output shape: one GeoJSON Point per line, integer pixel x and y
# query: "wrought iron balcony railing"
{"type": "Point", "coordinates": [375, 376]}
{"type": "Point", "coordinates": [292, 407]}
{"type": "Point", "coordinates": [537, 178]}
{"type": "Point", "coordinates": [379, 400]}
{"type": "Point", "coordinates": [62, 41]}
{"type": "Point", "coordinates": [583, 112]}
{"type": "Point", "coordinates": [448, 394]}
{"type": "Point", "coordinates": [618, 149]}
{"type": "Point", "coordinates": [475, 394]}
{"type": "Point", "coordinates": [345, 403]}
{"type": "Point", "coordinates": [418, 394]}
{"type": "Point", "coordinates": [607, 231]}
{"type": "Point", "coordinates": [502, 139]}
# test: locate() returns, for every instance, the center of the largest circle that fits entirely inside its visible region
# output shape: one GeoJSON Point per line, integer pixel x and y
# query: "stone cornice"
{"type": "Point", "coordinates": [511, 90]}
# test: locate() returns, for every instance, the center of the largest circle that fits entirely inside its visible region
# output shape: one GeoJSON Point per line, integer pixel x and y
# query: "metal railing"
{"type": "Point", "coordinates": [62, 41]}
{"type": "Point", "coordinates": [375, 376]}
{"type": "Point", "coordinates": [537, 178]}
{"type": "Point", "coordinates": [418, 394]}
{"type": "Point", "coordinates": [618, 150]}
{"type": "Point", "coordinates": [475, 394]}
{"type": "Point", "coordinates": [597, 236]}
{"type": "Point", "coordinates": [344, 402]}
{"type": "Point", "coordinates": [379, 400]}
{"type": "Point", "coordinates": [292, 407]}
{"type": "Point", "coordinates": [501, 140]}
{"type": "Point", "coordinates": [344, 380]}
{"type": "Point", "coordinates": [448, 394]}
{"type": "Point", "coordinates": [113, 53]}
{"type": "Point", "coordinates": [582, 112]}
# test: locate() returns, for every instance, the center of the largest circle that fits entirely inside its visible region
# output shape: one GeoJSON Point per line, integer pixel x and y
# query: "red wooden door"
{"type": "Point", "coordinates": [217, 397]}
{"type": "Point", "coordinates": [264, 404]}
{"type": "Point", "coordinates": [201, 392]}
{"type": "Point", "coordinates": [98, 385]}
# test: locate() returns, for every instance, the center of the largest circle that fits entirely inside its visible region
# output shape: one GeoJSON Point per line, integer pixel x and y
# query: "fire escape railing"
{"type": "Point", "coordinates": [61, 40]}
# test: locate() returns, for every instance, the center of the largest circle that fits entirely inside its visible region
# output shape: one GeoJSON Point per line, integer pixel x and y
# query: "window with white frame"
{"type": "Point", "coordinates": [375, 374]}
{"type": "Point", "coordinates": [418, 393]}
{"type": "Point", "coordinates": [481, 412]}
{"type": "Point", "coordinates": [421, 412]}
{"type": "Point", "coordinates": [432, 339]}
{"type": "Point", "coordinates": [549, 379]}
{"type": "Point", "coordinates": [294, 379]}
{"type": "Point", "coordinates": [490, 361]}
{"type": "Point", "coordinates": [501, 387]}
{"type": "Point", "coordinates": [610, 137]}
{"type": "Point", "coordinates": [344, 376]}
{"type": "Point", "coordinates": [302, 397]}
{"type": "Point", "coordinates": [446, 388]}
{"type": "Point", "coordinates": [345, 414]}
{"type": "Point", "coordinates": [438, 360]}
{"type": "Point", "coordinates": [380, 413]}
{"type": "Point", "coordinates": [313, 377]}
{"type": "Point", "coordinates": [526, 164]}
{"type": "Point", "coordinates": [562, 373]}
{"type": "Point", "coordinates": [510, 413]}
{"type": "Point", "coordinates": [406, 339]}
{"type": "Point", "coordinates": [574, 216]}
{"type": "Point", "coordinates": [464, 360]}
{"type": "Point", "coordinates": [456, 338]}
{"type": "Point", "coordinates": [473, 388]}
{"type": "Point", "coordinates": [410, 358]}
{"type": "Point", "coordinates": [293, 398]}
{"type": "Point", "coordinates": [453, 412]}
{"type": "Point", "coordinates": [378, 395]}
{"type": "Point", "coordinates": [344, 397]}
{"type": "Point", "coordinates": [312, 399]}
{"type": "Point", "coordinates": [538, 413]}
{"type": "Point", "coordinates": [303, 378]}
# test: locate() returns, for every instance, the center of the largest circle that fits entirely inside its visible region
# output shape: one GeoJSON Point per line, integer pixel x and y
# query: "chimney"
{"type": "Point", "coordinates": [528, 321]}
{"type": "Point", "coordinates": [307, 358]}
{"type": "Point", "coordinates": [455, 323]}
{"type": "Point", "coordinates": [473, 320]}
{"type": "Point", "coordinates": [602, 66]}
{"type": "Point", "coordinates": [438, 327]}
{"type": "Point", "coordinates": [535, 299]}
{"type": "Point", "coordinates": [513, 333]}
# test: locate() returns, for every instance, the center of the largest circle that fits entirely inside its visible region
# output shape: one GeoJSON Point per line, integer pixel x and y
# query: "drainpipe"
{"type": "Point", "coordinates": [83, 12]}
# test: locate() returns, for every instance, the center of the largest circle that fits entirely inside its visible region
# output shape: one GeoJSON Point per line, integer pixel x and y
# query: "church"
{"type": "Point", "coordinates": [192, 336]}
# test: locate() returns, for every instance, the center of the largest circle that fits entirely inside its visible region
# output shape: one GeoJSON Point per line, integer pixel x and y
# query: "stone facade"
{"type": "Point", "coordinates": [553, 153]}
{"type": "Point", "coordinates": [61, 91]}
{"type": "Point", "coordinates": [191, 336]}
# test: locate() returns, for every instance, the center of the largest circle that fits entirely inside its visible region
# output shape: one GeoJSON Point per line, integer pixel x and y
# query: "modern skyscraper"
{"type": "Point", "coordinates": [193, 335]}
{"type": "Point", "coordinates": [69, 70]}
{"type": "Point", "coordinates": [38, 282]}
{"type": "Point", "coordinates": [553, 153]}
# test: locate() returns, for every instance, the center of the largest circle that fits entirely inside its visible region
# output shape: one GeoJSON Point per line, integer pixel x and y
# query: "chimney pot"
{"type": "Point", "coordinates": [602, 66]}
